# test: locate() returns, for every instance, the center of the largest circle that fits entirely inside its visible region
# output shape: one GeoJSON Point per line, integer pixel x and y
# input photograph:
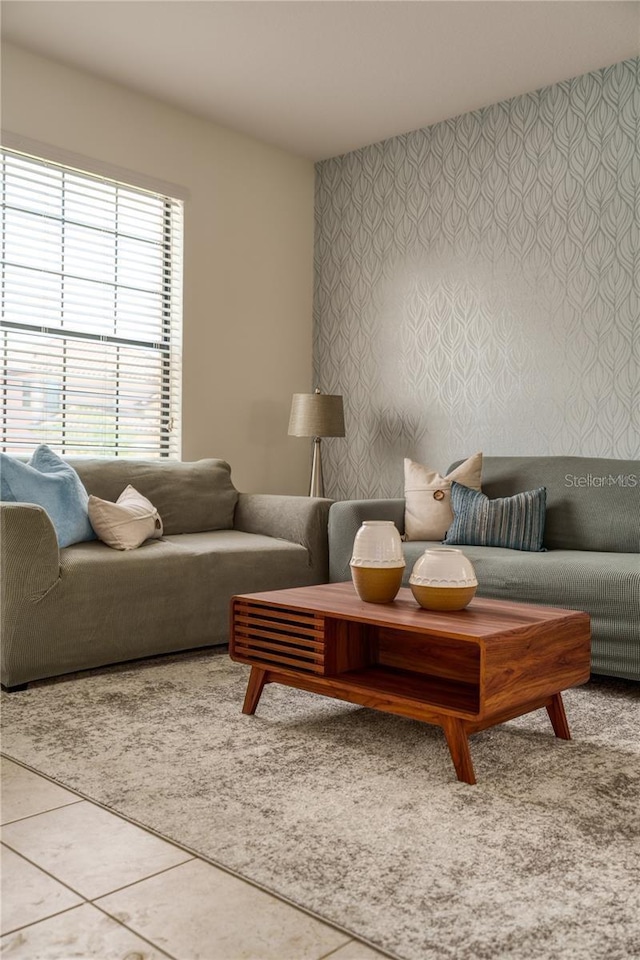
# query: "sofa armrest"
{"type": "Point", "coordinates": [300, 520]}
{"type": "Point", "coordinates": [345, 519]}
{"type": "Point", "coordinates": [30, 560]}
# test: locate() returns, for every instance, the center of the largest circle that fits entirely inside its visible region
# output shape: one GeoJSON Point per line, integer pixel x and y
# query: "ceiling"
{"type": "Point", "coordinates": [322, 77]}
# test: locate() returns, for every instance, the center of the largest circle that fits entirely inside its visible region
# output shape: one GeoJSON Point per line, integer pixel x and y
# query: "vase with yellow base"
{"type": "Point", "coordinates": [377, 564]}
{"type": "Point", "coordinates": [443, 579]}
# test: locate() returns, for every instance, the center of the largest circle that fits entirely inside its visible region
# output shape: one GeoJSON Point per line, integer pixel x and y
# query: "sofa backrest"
{"type": "Point", "coordinates": [190, 497]}
{"type": "Point", "coordinates": [593, 503]}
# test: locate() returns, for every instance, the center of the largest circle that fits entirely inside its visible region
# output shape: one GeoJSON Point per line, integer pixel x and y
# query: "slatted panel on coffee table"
{"type": "Point", "coordinates": [276, 636]}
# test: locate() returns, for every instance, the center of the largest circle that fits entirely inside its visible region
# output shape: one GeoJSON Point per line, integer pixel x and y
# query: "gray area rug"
{"type": "Point", "coordinates": [356, 815]}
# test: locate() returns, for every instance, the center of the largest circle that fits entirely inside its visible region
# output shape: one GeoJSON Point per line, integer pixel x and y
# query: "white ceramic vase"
{"type": "Point", "coordinates": [377, 564]}
{"type": "Point", "coordinates": [443, 579]}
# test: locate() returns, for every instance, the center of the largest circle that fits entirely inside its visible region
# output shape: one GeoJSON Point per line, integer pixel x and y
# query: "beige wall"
{"type": "Point", "coordinates": [248, 267]}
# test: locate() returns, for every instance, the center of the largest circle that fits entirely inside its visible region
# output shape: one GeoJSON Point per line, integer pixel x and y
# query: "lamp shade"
{"type": "Point", "coordinates": [316, 415]}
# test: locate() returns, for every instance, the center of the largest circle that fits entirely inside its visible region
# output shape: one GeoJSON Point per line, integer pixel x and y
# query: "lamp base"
{"type": "Point", "coordinates": [316, 488]}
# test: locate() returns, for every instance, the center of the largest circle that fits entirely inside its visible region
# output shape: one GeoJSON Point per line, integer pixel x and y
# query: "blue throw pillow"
{"type": "Point", "coordinates": [516, 522]}
{"type": "Point", "coordinates": [49, 482]}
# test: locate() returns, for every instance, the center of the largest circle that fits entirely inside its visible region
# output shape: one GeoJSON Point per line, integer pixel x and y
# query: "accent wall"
{"type": "Point", "coordinates": [477, 285]}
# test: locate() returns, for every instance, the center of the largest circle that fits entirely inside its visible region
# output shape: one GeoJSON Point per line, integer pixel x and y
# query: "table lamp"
{"type": "Point", "coordinates": [316, 415]}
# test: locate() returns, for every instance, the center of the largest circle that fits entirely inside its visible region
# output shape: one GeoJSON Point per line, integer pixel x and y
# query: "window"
{"type": "Point", "coordinates": [90, 331]}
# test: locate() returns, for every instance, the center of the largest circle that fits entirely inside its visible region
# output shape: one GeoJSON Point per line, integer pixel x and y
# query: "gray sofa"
{"type": "Point", "coordinates": [88, 605]}
{"type": "Point", "coordinates": [592, 536]}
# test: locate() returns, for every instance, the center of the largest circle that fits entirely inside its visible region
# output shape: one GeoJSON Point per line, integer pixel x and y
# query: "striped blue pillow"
{"type": "Point", "coordinates": [516, 522]}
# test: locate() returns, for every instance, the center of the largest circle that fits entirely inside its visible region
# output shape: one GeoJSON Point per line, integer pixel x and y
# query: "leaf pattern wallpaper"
{"type": "Point", "coordinates": [477, 285]}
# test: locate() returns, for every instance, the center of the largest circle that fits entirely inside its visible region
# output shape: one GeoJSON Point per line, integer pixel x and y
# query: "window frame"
{"type": "Point", "coordinates": [169, 345]}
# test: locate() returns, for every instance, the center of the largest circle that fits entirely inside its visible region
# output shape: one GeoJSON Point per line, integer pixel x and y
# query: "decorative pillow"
{"type": "Point", "coordinates": [126, 524]}
{"type": "Point", "coordinates": [427, 512]}
{"type": "Point", "coordinates": [516, 522]}
{"type": "Point", "coordinates": [49, 482]}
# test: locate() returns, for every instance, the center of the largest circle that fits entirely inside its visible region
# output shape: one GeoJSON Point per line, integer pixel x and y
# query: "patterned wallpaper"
{"type": "Point", "coordinates": [478, 285]}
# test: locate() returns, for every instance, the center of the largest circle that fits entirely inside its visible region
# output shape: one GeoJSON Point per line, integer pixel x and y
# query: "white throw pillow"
{"type": "Point", "coordinates": [428, 514]}
{"type": "Point", "coordinates": [126, 524]}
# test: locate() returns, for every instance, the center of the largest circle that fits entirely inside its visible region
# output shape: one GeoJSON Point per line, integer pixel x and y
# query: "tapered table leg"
{"type": "Point", "coordinates": [555, 709]}
{"type": "Point", "coordinates": [255, 687]}
{"type": "Point", "coordinates": [459, 749]}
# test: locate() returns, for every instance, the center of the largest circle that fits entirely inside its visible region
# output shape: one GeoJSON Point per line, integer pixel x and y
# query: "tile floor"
{"type": "Point", "coordinates": [80, 882]}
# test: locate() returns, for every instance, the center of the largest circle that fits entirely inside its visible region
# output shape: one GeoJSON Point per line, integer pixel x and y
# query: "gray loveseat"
{"type": "Point", "coordinates": [592, 536]}
{"type": "Point", "coordinates": [88, 605]}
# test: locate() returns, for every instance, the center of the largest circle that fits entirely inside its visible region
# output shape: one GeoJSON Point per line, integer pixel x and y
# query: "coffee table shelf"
{"type": "Point", "coordinates": [463, 670]}
{"type": "Point", "coordinates": [424, 689]}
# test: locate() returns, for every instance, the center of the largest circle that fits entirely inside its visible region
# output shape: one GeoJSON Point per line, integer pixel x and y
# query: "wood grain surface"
{"type": "Point", "coordinates": [462, 670]}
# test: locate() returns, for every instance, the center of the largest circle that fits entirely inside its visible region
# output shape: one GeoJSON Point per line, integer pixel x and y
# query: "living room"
{"type": "Point", "coordinates": [443, 231]}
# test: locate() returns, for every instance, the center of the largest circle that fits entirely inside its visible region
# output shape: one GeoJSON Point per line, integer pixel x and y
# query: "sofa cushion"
{"type": "Point", "coordinates": [190, 497]}
{"type": "Point", "coordinates": [238, 562]}
{"type": "Point", "coordinates": [127, 523]}
{"type": "Point", "coordinates": [51, 483]}
{"type": "Point", "coordinates": [516, 522]}
{"type": "Point", "coordinates": [428, 512]}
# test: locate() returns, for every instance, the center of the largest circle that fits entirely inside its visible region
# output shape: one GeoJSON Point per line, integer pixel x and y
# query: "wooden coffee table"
{"type": "Point", "coordinates": [463, 671]}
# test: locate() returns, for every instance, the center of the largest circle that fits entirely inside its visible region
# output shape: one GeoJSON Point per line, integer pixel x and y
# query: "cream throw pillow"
{"type": "Point", "coordinates": [428, 514]}
{"type": "Point", "coordinates": [126, 524]}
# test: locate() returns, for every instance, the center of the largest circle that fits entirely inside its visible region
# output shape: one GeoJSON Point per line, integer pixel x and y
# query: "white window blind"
{"type": "Point", "coordinates": [91, 326]}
